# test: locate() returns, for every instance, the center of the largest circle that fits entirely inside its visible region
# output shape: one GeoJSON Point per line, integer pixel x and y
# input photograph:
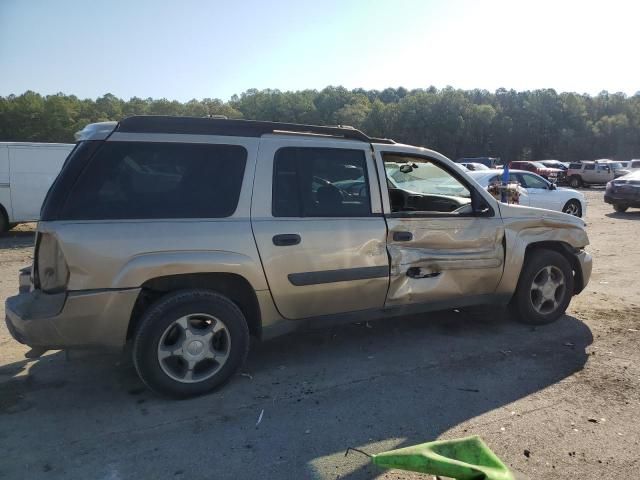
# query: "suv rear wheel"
{"type": "Point", "coordinates": [544, 289]}
{"type": "Point", "coordinates": [190, 342]}
{"type": "Point", "coordinates": [575, 181]}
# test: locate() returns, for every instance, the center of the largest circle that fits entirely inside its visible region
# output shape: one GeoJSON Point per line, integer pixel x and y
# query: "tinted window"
{"type": "Point", "coordinates": [533, 181]}
{"type": "Point", "coordinates": [320, 182]}
{"type": "Point", "coordinates": [589, 166]}
{"type": "Point", "coordinates": [137, 180]}
{"type": "Point", "coordinates": [635, 164]}
{"type": "Point", "coordinates": [575, 166]}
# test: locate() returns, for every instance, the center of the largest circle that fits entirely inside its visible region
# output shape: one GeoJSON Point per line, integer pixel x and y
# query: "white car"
{"type": "Point", "coordinates": [537, 192]}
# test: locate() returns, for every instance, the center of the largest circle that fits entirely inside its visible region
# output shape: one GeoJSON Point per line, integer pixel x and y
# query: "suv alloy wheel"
{"type": "Point", "coordinates": [190, 342]}
{"type": "Point", "coordinates": [544, 289]}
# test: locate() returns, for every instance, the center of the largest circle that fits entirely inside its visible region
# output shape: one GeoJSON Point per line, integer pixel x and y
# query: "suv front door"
{"type": "Point", "coordinates": [440, 249]}
{"type": "Point", "coordinates": [317, 220]}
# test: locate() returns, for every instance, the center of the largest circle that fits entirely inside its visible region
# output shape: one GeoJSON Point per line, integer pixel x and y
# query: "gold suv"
{"type": "Point", "coordinates": [185, 236]}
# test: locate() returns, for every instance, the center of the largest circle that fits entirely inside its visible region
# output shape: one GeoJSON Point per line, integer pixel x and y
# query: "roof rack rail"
{"type": "Point", "coordinates": [233, 128]}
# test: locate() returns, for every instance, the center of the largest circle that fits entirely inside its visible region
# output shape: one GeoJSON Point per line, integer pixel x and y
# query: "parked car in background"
{"type": "Point", "coordinates": [616, 166]}
{"type": "Point", "coordinates": [631, 165]}
{"type": "Point", "coordinates": [490, 162]}
{"type": "Point", "coordinates": [473, 166]}
{"type": "Point", "coordinates": [538, 192]}
{"type": "Point", "coordinates": [27, 170]}
{"type": "Point", "coordinates": [555, 175]}
{"type": "Point", "coordinates": [593, 173]}
{"type": "Point", "coordinates": [624, 192]}
{"type": "Point", "coordinates": [182, 237]}
{"type": "Point", "coordinates": [555, 164]}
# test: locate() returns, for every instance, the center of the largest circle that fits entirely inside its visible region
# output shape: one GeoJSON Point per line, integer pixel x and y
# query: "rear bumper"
{"type": "Point", "coordinates": [97, 318]}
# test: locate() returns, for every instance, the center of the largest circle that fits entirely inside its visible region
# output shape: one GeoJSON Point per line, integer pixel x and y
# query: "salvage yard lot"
{"type": "Point", "coordinates": [568, 393]}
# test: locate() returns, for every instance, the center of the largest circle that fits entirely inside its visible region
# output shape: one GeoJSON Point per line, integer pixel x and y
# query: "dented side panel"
{"type": "Point", "coordinates": [528, 226]}
{"type": "Point", "coordinates": [446, 258]}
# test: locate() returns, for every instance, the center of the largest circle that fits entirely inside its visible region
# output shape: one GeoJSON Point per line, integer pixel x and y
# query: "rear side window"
{"type": "Point", "coordinates": [139, 180]}
{"type": "Point", "coordinates": [575, 166]}
{"type": "Point", "coordinates": [635, 164]}
{"type": "Point", "coordinates": [590, 166]}
{"type": "Point", "coordinates": [320, 182]}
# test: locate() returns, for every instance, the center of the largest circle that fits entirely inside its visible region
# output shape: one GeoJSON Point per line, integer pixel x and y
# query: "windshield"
{"type": "Point", "coordinates": [615, 165]}
{"type": "Point", "coordinates": [424, 178]}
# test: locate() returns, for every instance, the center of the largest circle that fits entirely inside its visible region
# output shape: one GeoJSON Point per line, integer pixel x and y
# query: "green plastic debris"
{"type": "Point", "coordinates": [463, 459]}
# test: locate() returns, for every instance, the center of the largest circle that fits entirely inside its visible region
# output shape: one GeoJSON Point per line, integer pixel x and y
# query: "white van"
{"type": "Point", "coordinates": [27, 170]}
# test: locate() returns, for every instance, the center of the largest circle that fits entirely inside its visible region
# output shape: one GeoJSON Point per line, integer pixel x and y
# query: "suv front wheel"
{"type": "Point", "coordinates": [544, 289]}
{"type": "Point", "coordinates": [190, 342]}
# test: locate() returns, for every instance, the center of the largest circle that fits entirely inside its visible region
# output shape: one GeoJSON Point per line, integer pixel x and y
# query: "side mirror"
{"type": "Point", "coordinates": [406, 168]}
{"type": "Point", "coordinates": [552, 186]}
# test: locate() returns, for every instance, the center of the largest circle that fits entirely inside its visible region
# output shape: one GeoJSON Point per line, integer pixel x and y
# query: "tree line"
{"type": "Point", "coordinates": [513, 125]}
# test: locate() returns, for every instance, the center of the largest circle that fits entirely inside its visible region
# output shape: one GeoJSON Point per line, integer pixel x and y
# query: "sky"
{"type": "Point", "coordinates": [214, 49]}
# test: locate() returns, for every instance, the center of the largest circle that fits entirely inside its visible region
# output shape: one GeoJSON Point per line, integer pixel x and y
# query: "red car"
{"type": "Point", "coordinates": [555, 175]}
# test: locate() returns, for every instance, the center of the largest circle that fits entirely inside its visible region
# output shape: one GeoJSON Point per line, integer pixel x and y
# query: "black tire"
{"type": "Point", "coordinates": [620, 208]}
{"type": "Point", "coordinates": [575, 181]}
{"type": "Point", "coordinates": [522, 304]}
{"type": "Point", "coordinates": [162, 314]}
{"type": "Point", "coordinates": [4, 222]}
{"type": "Point", "coordinates": [573, 206]}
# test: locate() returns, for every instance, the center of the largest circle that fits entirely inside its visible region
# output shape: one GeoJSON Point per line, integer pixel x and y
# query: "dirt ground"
{"type": "Point", "coordinates": [568, 393]}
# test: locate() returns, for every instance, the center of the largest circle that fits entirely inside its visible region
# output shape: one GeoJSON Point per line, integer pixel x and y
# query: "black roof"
{"type": "Point", "coordinates": [234, 128]}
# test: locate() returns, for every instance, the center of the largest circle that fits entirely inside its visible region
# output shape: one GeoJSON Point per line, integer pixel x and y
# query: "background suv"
{"type": "Point", "coordinates": [593, 173]}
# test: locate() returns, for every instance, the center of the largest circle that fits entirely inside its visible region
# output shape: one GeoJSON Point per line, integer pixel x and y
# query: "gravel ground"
{"type": "Point", "coordinates": [568, 393]}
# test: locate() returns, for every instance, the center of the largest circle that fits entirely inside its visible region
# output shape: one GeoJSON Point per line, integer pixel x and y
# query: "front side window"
{"type": "Point", "coordinates": [320, 182]}
{"type": "Point", "coordinates": [590, 166]}
{"type": "Point", "coordinates": [141, 180]}
{"type": "Point", "coordinates": [419, 185]}
{"type": "Point", "coordinates": [533, 181]}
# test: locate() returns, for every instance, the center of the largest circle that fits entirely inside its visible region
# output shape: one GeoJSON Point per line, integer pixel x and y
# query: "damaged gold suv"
{"type": "Point", "coordinates": [185, 236]}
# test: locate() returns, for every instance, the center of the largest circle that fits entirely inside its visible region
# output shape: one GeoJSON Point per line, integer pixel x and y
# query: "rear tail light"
{"type": "Point", "coordinates": [52, 271]}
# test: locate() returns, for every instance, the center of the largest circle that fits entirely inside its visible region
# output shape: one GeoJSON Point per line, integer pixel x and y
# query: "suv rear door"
{"type": "Point", "coordinates": [317, 220]}
{"type": "Point", "coordinates": [437, 254]}
{"type": "Point", "coordinates": [589, 173]}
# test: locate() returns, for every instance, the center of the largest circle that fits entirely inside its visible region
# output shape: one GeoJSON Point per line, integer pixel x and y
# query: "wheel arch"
{"type": "Point", "coordinates": [231, 285]}
{"type": "Point", "coordinates": [564, 249]}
